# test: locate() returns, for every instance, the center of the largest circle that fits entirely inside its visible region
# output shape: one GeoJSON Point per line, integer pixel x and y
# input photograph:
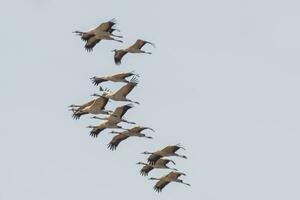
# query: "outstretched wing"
{"type": "Point", "coordinates": [106, 26]}
{"type": "Point", "coordinates": [78, 113]}
{"type": "Point", "coordinates": [164, 162]}
{"type": "Point", "coordinates": [145, 170]}
{"type": "Point", "coordinates": [160, 185]}
{"type": "Point", "coordinates": [140, 43]}
{"type": "Point", "coordinates": [120, 111]}
{"type": "Point", "coordinates": [85, 105]}
{"type": "Point", "coordinates": [100, 103]}
{"type": "Point", "coordinates": [95, 131]}
{"type": "Point", "coordinates": [124, 91]}
{"type": "Point", "coordinates": [170, 149]}
{"type": "Point", "coordinates": [174, 175]}
{"type": "Point", "coordinates": [97, 80]}
{"type": "Point", "coordinates": [116, 141]}
{"type": "Point", "coordinates": [153, 158]}
{"type": "Point", "coordinates": [119, 55]}
{"type": "Point", "coordinates": [90, 44]}
{"type": "Point", "coordinates": [122, 75]}
{"type": "Point", "coordinates": [86, 36]}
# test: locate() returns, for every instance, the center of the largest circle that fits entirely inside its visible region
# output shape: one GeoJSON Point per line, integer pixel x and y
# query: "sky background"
{"type": "Point", "coordinates": [223, 81]}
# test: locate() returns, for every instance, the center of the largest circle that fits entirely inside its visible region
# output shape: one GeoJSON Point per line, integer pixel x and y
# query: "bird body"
{"type": "Point", "coordinates": [102, 32]}
{"type": "Point", "coordinates": [165, 152]}
{"type": "Point", "coordinates": [82, 105]}
{"type": "Point", "coordinates": [117, 115]}
{"type": "Point", "coordinates": [121, 94]}
{"type": "Point", "coordinates": [135, 48]}
{"type": "Point", "coordinates": [118, 77]}
{"type": "Point", "coordinates": [96, 107]}
{"type": "Point", "coordinates": [126, 134]}
{"type": "Point", "coordinates": [165, 180]}
{"type": "Point", "coordinates": [160, 164]}
{"type": "Point", "coordinates": [96, 130]}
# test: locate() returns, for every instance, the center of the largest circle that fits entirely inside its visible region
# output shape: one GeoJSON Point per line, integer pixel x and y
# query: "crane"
{"type": "Point", "coordinates": [104, 31]}
{"type": "Point", "coordinates": [117, 115]}
{"type": "Point", "coordinates": [121, 94]}
{"type": "Point", "coordinates": [118, 77]}
{"type": "Point", "coordinates": [165, 152]}
{"type": "Point", "coordinates": [165, 180]}
{"type": "Point", "coordinates": [135, 48]}
{"type": "Point", "coordinates": [97, 107]}
{"type": "Point", "coordinates": [133, 132]}
{"type": "Point", "coordinates": [160, 164]}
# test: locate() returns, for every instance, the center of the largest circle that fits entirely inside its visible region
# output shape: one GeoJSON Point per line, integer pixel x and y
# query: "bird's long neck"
{"type": "Point", "coordinates": [114, 132]}
{"type": "Point", "coordinates": [73, 105]}
{"type": "Point", "coordinates": [155, 179]}
{"type": "Point", "coordinates": [148, 152]}
{"type": "Point", "coordinates": [79, 32]}
{"type": "Point", "coordinates": [142, 163]}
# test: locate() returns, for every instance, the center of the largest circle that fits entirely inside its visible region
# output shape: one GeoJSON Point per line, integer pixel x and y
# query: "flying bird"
{"type": "Point", "coordinates": [133, 132]}
{"type": "Point", "coordinates": [138, 129]}
{"type": "Point", "coordinates": [121, 94]}
{"type": "Point", "coordinates": [97, 107]}
{"type": "Point", "coordinates": [135, 48]}
{"type": "Point", "coordinates": [118, 77]}
{"type": "Point", "coordinates": [160, 164]}
{"type": "Point", "coordinates": [165, 152]}
{"type": "Point", "coordinates": [117, 115]}
{"type": "Point", "coordinates": [79, 107]}
{"type": "Point", "coordinates": [96, 130]}
{"type": "Point", "coordinates": [165, 180]}
{"type": "Point", "coordinates": [102, 32]}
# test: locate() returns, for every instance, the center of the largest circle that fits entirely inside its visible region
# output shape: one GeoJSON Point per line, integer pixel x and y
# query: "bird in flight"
{"type": "Point", "coordinates": [165, 180]}
{"type": "Point", "coordinates": [104, 31]}
{"type": "Point", "coordinates": [135, 48]}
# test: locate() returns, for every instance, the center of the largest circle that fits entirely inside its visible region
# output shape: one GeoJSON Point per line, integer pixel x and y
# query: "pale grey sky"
{"type": "Point", "coordinates": [223, 80]}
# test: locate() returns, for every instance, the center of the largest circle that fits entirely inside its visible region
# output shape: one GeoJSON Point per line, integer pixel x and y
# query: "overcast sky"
{"type": "Point", "coordinates": [223, 81]}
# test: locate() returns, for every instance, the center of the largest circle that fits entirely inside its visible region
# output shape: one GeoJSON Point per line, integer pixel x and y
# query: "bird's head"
{"type": "Point", "coordinates": [139, 163]}
{"type": "Point", "coordinates": [152, 178]}
{"type": "Point", "coordinates": [90, 126]}
{"type": "Point", "coordinates": [72, 106]}
{"type": "Point", "coordinates": [95, 117]}
{"type": "Point", "coordinates": [95, 95]}
{"type": "Point", "coordinates": [146, 152]}
{"type": "Point", "coordinates": [114, 132]}
{"type": "Point", "coordinates": [115, 50]}
{"type": "Point", "coordinates": [78, 32]}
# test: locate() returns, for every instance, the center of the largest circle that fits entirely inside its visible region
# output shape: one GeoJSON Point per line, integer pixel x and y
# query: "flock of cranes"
{"type": "Point", "coordinates": [113, 118]}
